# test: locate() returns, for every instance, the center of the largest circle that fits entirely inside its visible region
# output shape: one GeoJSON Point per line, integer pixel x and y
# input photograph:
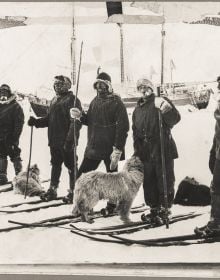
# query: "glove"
{"type": "Point", "coordinates": [68, 146]}
{"type": "Point", "coordinates": [32, 121]}
{"type": "Point", "coordinates": [75, 113]}
{"type": "Point", "coordinates": [115, 157]}
{"type": "Point", "coordinates": [162, 104]}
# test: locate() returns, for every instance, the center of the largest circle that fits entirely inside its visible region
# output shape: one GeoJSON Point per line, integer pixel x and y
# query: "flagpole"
{"type": "Point", "coordinates": [73, 50]}
{"type": "Point", "coordinates": [171, 76]}
{"type": "Point", "coordinates": [122, 53]}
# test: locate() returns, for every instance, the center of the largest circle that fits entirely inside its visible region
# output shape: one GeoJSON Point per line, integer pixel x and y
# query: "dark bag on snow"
{"type": "Point", "coordinates": [191, 193]}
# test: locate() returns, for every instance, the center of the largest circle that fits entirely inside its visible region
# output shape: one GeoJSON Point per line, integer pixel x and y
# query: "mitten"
{"type": "Point", "coordinates": [115, 157]}
{"type": "Point", "coordinates": [32, 121]}
{"type": "Point", "coordinates": [75, 113]}
{"type": "Point", "coordinates": [162, 104]}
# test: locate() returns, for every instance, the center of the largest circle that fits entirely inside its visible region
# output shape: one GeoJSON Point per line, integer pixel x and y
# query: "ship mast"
{"type": "Point", "coordinates": [73, 51]}
{"type": "Point", "coordinates": [122, 53]}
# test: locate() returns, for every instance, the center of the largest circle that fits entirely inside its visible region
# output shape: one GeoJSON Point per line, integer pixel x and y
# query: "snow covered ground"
{"type": "Point", "coordinates": [40, 53]}
{"type": "Point", "coordinates": [193, 136]}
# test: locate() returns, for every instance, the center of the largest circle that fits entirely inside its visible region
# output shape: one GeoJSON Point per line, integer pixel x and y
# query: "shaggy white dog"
{"type": "Point", "coordinates": [34, 187]}
{"type": "Point", "coordinates": [118, 186]}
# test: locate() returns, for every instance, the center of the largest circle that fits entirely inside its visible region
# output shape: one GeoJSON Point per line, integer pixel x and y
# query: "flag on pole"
{"type": "Point", "coordinates": [152, 72]}
{"type": "Point", "coordinates": [114, 8]}
{"type": "Point", "coordinates": [115, 15]}
{"type": "Point", "coordinates": [172, 65]}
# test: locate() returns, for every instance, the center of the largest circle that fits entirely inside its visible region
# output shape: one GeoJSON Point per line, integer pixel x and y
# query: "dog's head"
{"type": "Point", "coordinates": [34, 169]}
{"type": "Point", "coordinates": [134, 164]}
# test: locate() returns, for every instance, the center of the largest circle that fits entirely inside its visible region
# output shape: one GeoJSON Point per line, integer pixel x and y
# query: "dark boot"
{"type": "Point", "coordinates": [212, 229]}
{"type": "Point", "coordinates": [17, 165]}
{"type": "Point", "coordinates": [153, 217]}
{"type": "Point", "coordinates": [51, 193]}
{"type": "Point", "coordinates": [109, 209]}
{"type": "Point", "coordinates": [213, 226]}
{"type": "Point", "coordinates": [163, 215]}
{"type": "Point", "coordinates": [3, 171]}
{"type": "Point", "coordinates": [69, 197]}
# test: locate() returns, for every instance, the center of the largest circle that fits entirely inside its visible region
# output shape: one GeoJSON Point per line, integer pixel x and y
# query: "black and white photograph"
{"type": "Point", "coordinates": [110, 138]}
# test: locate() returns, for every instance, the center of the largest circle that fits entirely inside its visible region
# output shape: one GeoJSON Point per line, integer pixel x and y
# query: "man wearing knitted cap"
{"type": "Point", "coordinates": [11, 125]}
{"type": "Point", "coordinates": [146, 137]}
{"type": "Point", "coordinates": [108, 126]}
{"type": "Point", "coordinates": [60, 136]}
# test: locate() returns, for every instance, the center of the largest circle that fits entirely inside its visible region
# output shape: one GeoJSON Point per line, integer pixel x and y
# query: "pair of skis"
{"type": "Point", "coordinates": [111, 234]}
{"type": "Point", "coordinates": [62, 220]}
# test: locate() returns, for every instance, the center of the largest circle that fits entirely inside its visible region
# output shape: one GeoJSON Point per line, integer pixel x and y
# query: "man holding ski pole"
{"type": "Point", "coordinates": [146, 137]}
{"type": "Point", "coordinates": [108, 126]}
{"type": "Point", "coordinates": [61, 140]}
{"type": "Point", "coordinates": [212, 228]}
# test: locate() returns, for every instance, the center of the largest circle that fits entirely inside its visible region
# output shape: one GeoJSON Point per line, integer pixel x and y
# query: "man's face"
{"type": "Point", "coordinates": [4, 94]}
{"type": "Point", "coordinates": [145, 90]}
{"type": "Point", "coordinates": [60, 87]}
{"type": "Point", "coordinates": [101, 88]}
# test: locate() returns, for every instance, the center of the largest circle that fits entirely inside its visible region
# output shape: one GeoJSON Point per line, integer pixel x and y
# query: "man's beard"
{"type": "Point", "coordinates": [3, 98]}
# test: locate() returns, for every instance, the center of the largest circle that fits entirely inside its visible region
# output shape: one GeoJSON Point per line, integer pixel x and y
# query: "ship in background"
{"type": "Point", "coordinates": [179, 93]}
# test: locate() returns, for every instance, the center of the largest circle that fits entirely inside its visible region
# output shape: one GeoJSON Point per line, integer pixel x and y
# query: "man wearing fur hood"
{"type": "Point", "coordinates": [60, 136]}
{"type": "Point", "coordinates": [212, 228]}
{"type": "Point", "coordinates": [108, 126]}
{"type": "Point", "coordinates": [11, 125]}
{"type": "Point", "coordinates": [146, 136]}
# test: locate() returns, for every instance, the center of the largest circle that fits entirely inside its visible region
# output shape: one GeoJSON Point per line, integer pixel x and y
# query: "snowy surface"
{"type": "Point", "coordinates": [40, 53]}
{"type": "Point", "coordinates": [193, 136]}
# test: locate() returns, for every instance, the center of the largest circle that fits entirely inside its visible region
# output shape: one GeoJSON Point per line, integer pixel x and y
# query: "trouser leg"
{"type": "Point", "coordinates": [88, 165]}
{"type": "Point", "coordinates": [170, 180]}
{"type": "Point", "coordinates": [3, 171]}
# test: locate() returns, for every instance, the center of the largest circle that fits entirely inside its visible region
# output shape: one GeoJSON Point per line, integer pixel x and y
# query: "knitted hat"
{"type": "Point", "coordinates": [105, 78]}
{"type": "Point", "coordinates": [144, 82]}
{"type": "Point", "coordinates": [65, 80]}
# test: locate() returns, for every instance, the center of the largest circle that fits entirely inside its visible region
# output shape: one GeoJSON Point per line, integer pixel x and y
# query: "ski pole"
{"type": "Point", "coordinates": [74, 121]}
{"type": "Point", "coordinates": [29, 162]}
{"type": "Point", "coordinates": [161, 133]}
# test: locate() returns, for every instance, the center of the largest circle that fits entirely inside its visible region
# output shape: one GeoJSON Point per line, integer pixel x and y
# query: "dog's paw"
{"type": "Point", "coordinates": [90, 221]}
{"type": "Point", "coordinates": [126, 220]}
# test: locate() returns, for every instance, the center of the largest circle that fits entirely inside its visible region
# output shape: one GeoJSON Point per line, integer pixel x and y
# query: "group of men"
{"type": "Point", "coordinates": [108, 126]}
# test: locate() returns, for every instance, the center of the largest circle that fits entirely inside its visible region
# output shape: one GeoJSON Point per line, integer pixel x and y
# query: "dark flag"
{"type": "Point", "coordinates": [114, 8]}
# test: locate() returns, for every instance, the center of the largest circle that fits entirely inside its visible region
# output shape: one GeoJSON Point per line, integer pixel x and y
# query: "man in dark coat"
{"type": "Point", "coordinates": [212, 228]}
{"type": "Point", "coordinates": [146, 137]}
{"type": "Point", "coordinates": [11, 125]}
{"type": "Point", "coordinates": [108, 126]}
{"type": "Point", "coordinates": [60, 136]}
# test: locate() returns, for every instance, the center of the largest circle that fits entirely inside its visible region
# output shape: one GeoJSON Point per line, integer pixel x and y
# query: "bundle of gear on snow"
{"type": "Point", "coordinates": [105, 78]}
{"type": "Point", "coordinates": [191, 193]}
{"type": "Point", "coordinates": [144, 82]}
